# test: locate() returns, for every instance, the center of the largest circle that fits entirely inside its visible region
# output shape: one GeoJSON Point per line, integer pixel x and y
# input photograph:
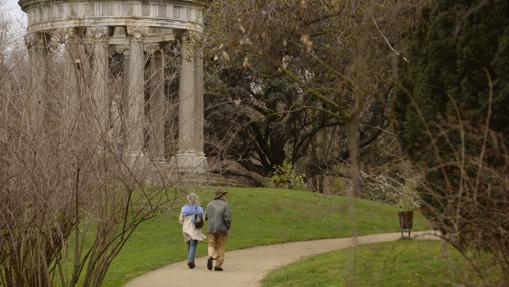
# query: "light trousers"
{"type": "Point", "coordinates": [216, 248]}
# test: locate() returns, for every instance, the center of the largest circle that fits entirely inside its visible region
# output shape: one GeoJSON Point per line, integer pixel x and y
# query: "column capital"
{"type": "Point", "coordinates": [194, 35]}
{"type": "Point", "coordinates": [56, 38]}
{"type": "Point", "coordinates": [191, 37]}
{"type": "Point", "coordinates": [185, 37]}
{"type": "Point", "coordinates": [70, 35]}
{"type": "Point", "coordinates": [151, 48]}
{"type": "Point", "coordinates": [187, 50]}
{"type": "Point", "coordinates": [36, 39]}
{"type": "Point", "coordinates": [121, 49]}
{"type": "Point", "coordinates": [58, 35]}
{"type": "Point", "coordinates": [97, 33]}
{"type": "Point", "coordinates": [137, 33]}
{"type": "Point", "coordinates": [31, 39]}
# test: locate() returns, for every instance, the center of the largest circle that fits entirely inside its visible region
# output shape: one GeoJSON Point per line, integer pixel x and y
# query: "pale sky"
{"type": "Point", "coordinates": [10, 11]}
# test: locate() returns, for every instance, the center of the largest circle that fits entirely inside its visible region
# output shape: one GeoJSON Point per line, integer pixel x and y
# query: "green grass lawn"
{"type": "Point", "coordinates": [401, 263]}
{"type": "Point", "coordinates": [260, 217]}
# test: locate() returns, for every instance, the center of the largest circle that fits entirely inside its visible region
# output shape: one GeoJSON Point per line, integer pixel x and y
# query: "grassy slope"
{"type": "Point", "coordinates": [260, 217]}
{"type": "Point", "coordinates": [401, 263]}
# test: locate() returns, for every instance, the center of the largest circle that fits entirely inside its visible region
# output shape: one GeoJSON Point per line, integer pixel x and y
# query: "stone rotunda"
{"type": "Point", "coordinates": [139, 33]}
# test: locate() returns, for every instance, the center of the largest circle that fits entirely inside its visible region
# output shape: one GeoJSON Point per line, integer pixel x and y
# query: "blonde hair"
{"type": "Point", "coordinates": [193, 198]}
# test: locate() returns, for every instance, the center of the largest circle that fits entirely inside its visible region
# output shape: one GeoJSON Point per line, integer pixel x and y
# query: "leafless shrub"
{"type": "Point", "coordinates": [470, 204]}
{"type": "Point", "coordinates": [70, 198]}
{"type": "Point", "coordinates": [465, 192]}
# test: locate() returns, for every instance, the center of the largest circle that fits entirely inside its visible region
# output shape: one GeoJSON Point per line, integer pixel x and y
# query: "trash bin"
{"type": "Point", "coordinates": [406, 221]}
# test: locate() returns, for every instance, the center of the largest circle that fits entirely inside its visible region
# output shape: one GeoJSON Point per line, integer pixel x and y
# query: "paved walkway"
{"type": "Point", "coordinates": [247, 267]}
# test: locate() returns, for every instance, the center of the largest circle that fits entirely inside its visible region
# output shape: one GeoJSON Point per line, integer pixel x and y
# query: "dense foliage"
{"type": "Point", "coordinates": [319, 73]}
{"type": "Point", "coordinates": [453, 50]}
{"type": "Point", "coordinates": [248, 120]}
{"type": "Point", "coordinates": [451, 114]}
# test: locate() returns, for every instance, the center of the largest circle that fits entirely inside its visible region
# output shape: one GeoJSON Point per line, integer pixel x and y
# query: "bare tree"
{"type": "Point", "coordinates": [340, 53]}
{"type": "Point", "coordinates": [464, 189]}
{"type": "Point", "coordinates": [70, 198]}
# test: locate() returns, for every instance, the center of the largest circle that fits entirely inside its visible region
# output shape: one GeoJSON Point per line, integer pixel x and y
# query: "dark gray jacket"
{"type": "Point", "coordinates": [219, 217]}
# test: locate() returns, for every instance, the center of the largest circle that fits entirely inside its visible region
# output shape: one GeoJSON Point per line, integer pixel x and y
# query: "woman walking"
{"type": "Point", "coordinates": [190, 213]}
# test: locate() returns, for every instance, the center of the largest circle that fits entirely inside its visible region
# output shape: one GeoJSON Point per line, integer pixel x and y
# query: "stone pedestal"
{"type": "Point", "coordinates": [189, 162]}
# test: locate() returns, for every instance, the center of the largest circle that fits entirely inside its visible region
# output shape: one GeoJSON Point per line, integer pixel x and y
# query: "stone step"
{"type": "Point", "coordinates": [175, 177]}
{"type": "Point", "coordinates": [211, 179]}
{"type": "Point", "coordinates": [207, 179]}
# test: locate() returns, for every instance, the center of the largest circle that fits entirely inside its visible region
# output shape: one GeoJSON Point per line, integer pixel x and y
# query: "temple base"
{"type": "Point", "coordinates": [189, 162]}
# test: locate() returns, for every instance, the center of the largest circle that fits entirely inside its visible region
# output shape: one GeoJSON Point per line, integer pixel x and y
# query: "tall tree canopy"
{"type": "Point", "coordinates": [323, 59]}
{"type": "Point", "coordinates": [453, 120]}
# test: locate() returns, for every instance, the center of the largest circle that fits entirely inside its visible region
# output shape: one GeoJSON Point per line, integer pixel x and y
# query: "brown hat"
{"type": "Point", "coordinates": [220, 193]}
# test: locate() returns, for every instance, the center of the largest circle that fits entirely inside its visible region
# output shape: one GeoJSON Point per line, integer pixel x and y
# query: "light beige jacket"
{"type": "Point", "coordinates": [188, 229]}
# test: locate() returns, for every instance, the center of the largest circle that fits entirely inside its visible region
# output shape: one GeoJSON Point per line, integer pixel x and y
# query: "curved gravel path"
{"type": "Point", "coordinates": [247, 267]}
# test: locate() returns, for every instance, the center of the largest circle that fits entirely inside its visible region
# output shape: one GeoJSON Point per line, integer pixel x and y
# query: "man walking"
{"type": "Point", "coordinates": [219, 218]}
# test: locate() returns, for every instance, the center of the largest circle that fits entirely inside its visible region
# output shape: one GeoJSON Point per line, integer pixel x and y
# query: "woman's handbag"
{"type": "Point", "coordinates": [198, 220]}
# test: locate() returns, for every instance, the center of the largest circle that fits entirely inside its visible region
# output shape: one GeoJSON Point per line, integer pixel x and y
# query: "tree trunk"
{"type": "Point", "coordinates": [352, 138]}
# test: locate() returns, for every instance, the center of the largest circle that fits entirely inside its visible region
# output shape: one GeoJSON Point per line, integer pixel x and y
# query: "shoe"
{"type": "Point", "coordinates": [209, 263]}
{"type": "Point", "coordinates": [218, 269]}
{"type": "Point", "coordinates": [191, 265]}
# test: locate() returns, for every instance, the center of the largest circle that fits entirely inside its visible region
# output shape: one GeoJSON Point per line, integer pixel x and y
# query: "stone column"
{"type": "Point", "coordinates": [101, 102]}
{"type": "Point", "coordinates": [135, 120]}
{"type": "Point", "coordinates": [186, 99]}
{"type": "Point", "coordinates": [125, 97]}
{"type": "Point", "coordinates": [72, 100]}
{"type": "Point", "coordinates": [198, 105]}
{"type": "Point", "coordinates": [53, 104]}
{"type": "Point", "coordinates": [38, 53]}
{"type": "Point", "coordinates": [157, 103]}
{"type": "Point", "coordinates": [188, 158]}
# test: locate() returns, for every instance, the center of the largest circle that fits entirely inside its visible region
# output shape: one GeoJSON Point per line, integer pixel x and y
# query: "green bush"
{"type": "Point", "coordinates": [285, 176]}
